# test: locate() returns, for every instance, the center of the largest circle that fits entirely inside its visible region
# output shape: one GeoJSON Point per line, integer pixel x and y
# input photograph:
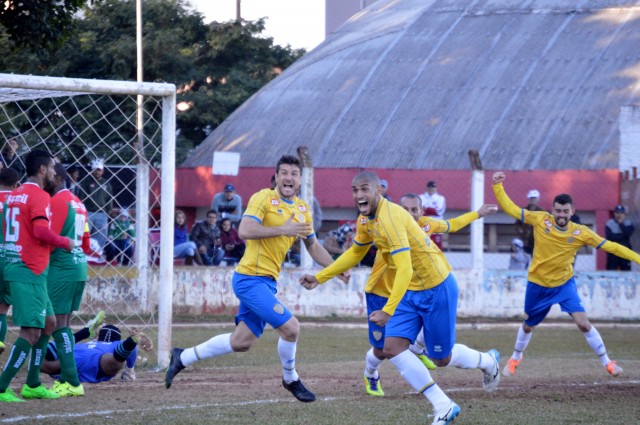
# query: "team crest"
{"type": "Point", "coordinates": [547, 230]}
{"type": "Point", "coordinates": [426, 227]}
{"type": "Point", "coordinates": [377, 335]}
{"type": "Point", "coordinates": [302, 208]}
{"type": "Point", "coordinates": [279, 211]}
{"type": "Point", "coordinates": [278, 308]}
{"type": "Point", "coordinates": [363, 221]}
{"type": "Point", "coordinates": [577, 232]}
{"type": "Point", "coordinates": [548, 223]}
{"type": "Point", "coordinates": [275, 202]}
{"type": "Point", "coordinates": [571, 240]}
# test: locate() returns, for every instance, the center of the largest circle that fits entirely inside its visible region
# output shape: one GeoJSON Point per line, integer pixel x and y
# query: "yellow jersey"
{"type": "Point", "coordinates": [264, 257]}
{"type": "Point", "coordinates": [380, 280]}
{"type": "Point", "coordinates": [555, 248]}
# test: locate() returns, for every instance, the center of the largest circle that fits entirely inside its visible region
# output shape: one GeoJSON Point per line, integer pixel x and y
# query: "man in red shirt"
{"type": "Point", "coordinates": [9, 179]}
{"type": "Point", "coordinates": [28, 241]}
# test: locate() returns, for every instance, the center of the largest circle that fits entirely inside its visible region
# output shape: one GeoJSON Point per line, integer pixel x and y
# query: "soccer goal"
{"type": "Point", "coordinates": [117, 138]}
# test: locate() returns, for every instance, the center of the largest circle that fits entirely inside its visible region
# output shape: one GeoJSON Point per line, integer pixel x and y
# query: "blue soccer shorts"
{"type": "Point", "coordinates": [258, 302]}
{"type": "Point", "coordinates": [376, 333]}
{"type": "Point", "coordinates": [538, 300]}
{"type": "Point", "coordinates": [434, 309]}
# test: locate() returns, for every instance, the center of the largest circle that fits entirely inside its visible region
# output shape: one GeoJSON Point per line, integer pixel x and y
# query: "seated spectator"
{"type": "Point", "coordinates": [121, 243]}
{"type": "Point", "coordinates": [206, 235]}
{"type": "Point", "coordinates": [233, 246]}
{"type": "Point", "coordinates": [336, 241]}
{"type": "Point", "coordinates": [519, 260]}
{"type": "Point", "coordinates": [182, 246]}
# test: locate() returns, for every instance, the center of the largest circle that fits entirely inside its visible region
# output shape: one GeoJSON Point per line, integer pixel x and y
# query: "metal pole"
{"type": "Point", "coordinates": [477, 199]}
{"type": "Point", "coordinates": [307, 195]}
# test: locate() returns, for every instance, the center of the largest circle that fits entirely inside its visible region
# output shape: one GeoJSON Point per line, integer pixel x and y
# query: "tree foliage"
{"type": "Point", "coordinates": [216, 66]}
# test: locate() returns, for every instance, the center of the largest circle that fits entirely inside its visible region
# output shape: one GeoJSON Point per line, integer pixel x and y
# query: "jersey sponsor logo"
{"type": "Point", "coordinates": [426, 227]}
{"type": "Point", "coordinates": [377, 335]}
{"type": "Point", "coordinates": [547, 230]}
{"type": "Point", "coordinates": [548, 223]}
{"type": "Point", "coordinates": [279, 211]}
{"type": "Point", "coordinates": [275, 202]}
{"type": "Point", "coordinates": [363, 220]}
{"type": "Point", "coordinates": [302, 208]}
{"type": "Point", "coordinates": [278, 308]}
{"type": "Point", "coordinates": [571, 239]}
{"type": "Point", "coordinates": [577, 232]}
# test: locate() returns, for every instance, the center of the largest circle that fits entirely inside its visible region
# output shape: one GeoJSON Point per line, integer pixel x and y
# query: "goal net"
{"type": "Point", "coordinates": [117, 139]}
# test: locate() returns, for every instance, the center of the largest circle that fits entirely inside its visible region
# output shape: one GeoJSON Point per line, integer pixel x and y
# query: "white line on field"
{"type": "Point", "coordinates": [155, 409]}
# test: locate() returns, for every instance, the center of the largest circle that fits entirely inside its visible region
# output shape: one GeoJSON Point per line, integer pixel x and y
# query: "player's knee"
{"type": "Point", "coordinates": [584, 326]}
{"type": "Point", "coordinates": [442, 362]}
{"type": "Point", "coordinates": [290, 330]}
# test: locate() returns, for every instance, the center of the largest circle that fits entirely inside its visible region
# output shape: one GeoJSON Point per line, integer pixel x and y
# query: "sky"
{"type": "Point", "coordinates": [299, 23]}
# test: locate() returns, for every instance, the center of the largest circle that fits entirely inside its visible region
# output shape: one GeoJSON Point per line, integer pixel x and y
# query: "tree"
{"type": "Point", "coordinates": [215, 67]}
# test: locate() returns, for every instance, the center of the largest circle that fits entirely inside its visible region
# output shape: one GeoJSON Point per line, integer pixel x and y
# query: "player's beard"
{"type": "Point", "coordinates": [49, 186]}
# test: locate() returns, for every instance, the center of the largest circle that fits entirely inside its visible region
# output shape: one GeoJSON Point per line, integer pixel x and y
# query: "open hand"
{"type": "Point", "coordinates": [293, 229]}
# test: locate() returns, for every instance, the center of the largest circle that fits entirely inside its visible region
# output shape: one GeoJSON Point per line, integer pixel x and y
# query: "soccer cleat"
{"type": "Point", "coordinates": [491, 379]}
{"type": "Point", "coordinates": [175, 366]}
{"type": "Point", "coordinates": [40, 392]}
{"type": "Point", "coordinates": [9, 396]}
{"type": "Point", "coordinates": [510, 368]}
{"type": "Point", "coordinates": [94, 324]}
{"type": "Point", "coordinates": [613, 368]}
{"type": "Point", "coordinates": [1, 347]}
{"type": "Point", "coordinates": [65, 389]}
{"type": "Point", "coordinates": [447, 415]}
{"type": "Point", "coordinates": [426, 361]}
{"type": "Point", "coordinates": [373, 387]}
{"type": "Point", "coordinates": [299, 391]}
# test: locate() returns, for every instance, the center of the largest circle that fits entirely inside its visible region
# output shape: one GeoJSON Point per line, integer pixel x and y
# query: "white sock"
{"type": "Point", "coordinates": [597, 345]}
{"type": "Point", "coordinates": [217, 346]}
{"type": "Point", "coordinates": [419, 346]}
{"type": "Point", "coordinates": [464, 357]}
{"type": "Point", "coordinates": [371, 365]}
{"type": "Point", "coordinates": [414, 372]}
{"type": "Point", "coordinates": [522, 340]}
{"type": "Point", "coordinates": [287, 354]}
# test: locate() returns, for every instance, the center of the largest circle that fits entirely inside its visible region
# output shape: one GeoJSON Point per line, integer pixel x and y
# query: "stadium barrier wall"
{"type": "Point", "coordinates": [200, 291]}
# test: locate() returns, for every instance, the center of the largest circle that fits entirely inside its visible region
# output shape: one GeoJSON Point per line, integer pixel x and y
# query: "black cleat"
{"type": "Point", "coordinates": [299, 391]}
{"type": "Point", "coordinates": [175, 366]}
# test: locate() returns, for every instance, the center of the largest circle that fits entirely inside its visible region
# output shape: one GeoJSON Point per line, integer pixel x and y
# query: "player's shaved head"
{"type": "Point", "coordinates": [366, 177]}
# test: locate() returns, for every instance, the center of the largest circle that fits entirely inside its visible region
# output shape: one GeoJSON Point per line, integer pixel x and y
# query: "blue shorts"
{"type": "Point", "coordinates": [434, 309]}
{"type": "Point", "coordinates": [376, 333]}
{"type": "Point", "coordinates": [538, 300]}
{"type": "Point", "coordinates": [258, 302]}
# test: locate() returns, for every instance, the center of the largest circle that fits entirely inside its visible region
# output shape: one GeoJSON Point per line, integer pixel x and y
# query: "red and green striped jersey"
{"type": "Point", "coordinates": [68, 218]}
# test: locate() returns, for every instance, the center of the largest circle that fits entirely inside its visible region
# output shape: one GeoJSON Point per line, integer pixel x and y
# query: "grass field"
{"type": "Point", "coordinates": [559, 382]}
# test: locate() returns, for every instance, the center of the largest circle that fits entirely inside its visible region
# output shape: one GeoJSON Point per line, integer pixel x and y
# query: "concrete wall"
{"type": "Point", "coordinates": [492, 293]}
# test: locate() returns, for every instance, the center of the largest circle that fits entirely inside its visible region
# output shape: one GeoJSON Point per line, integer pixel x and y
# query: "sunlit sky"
{"type": "Point", "coordinates": [299, 23]}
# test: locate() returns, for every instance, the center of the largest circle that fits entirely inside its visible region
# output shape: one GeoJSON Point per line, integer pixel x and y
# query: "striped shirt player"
{"type": "Point", "coordinates": [272, 222]}
{"type": "Point", "coordinates": [9, 179]}
{"type": "Point", "coordinates": [28, 241]}
{"type": "Point", "coordinates": [67, 278]}
{"type": "Point", "coordinates": [423, 292]}
{"type": "Point", "coordinates": [551, 277]}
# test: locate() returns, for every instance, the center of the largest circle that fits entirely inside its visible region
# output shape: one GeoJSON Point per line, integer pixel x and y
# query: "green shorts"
{"type": "Point", "coordinates": [5, 293]}
{"type": "Point", "coordinates": [31, 304]}
{"type": "Point", "coordinates": [65, 296]}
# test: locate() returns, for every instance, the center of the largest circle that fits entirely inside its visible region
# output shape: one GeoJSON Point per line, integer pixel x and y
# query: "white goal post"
{"type": "Point", "coordinates": [84, 122]}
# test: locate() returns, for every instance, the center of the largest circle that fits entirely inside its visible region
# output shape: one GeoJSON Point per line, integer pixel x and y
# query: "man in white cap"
{"type": "Point", "coordinates": [97, 195]}
{"type": "Point", "coordinates": [519, 259]}
{"type": "Point", "coordinates": [525, 231]}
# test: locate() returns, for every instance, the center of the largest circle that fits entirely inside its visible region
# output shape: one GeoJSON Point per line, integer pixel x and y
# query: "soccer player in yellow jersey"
{"type": "Point", "coordinates": [378, 288]}
{"type": "Point", "coordinates": [273, 220]}
{"type": "Point", "coordinates": [424, 293]}
{"type": "Point", "coordinates": [550, 277]}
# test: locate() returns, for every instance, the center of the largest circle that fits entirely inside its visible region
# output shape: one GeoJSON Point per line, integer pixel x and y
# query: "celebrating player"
{"type": "Point", "coordinates": [270, 225]}
{"type": "Point", "coordinates": [550, 276]}
{"type": "Point", "coordinates": [424, 293]}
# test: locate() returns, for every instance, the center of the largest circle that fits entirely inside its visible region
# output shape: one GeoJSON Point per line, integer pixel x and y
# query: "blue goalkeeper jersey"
{"type": "Point", "coordinates": [88, 359]}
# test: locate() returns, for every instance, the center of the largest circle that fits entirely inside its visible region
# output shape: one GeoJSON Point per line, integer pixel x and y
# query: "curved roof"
{"type": "Point", "coordinates": [416, 84]}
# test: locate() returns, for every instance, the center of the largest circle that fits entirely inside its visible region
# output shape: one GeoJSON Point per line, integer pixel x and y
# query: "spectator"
{"type": "Point", "coordinates": [384, 185]}
{"type": "Point", "coordinates": [206, 235]}
{"type": "Point", "coordinates": [97, 196]}
{"type": "Point", "coordinates": [73, 182]}
{"type": "Point", "coordinates": [619, 229]}
{"type": "Point", "coordinates": [233, 246]}
{"type": "Point", "coordinates": [338, 241]}
{"type": "Point", "coordinates": [523, 230]}
{"type": "Point", "coordinates": [434, 205]}
{"type": "Point", "coordinates": [122, 235]}
{"type": "Point", "coordinates": [228, 204]}
{"type": "Point", "coordinates": [10, 157]}
{"type": "Point", "coordinates": [519, 259]}
{"type": "Point", "coordinates": [182, 246]}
